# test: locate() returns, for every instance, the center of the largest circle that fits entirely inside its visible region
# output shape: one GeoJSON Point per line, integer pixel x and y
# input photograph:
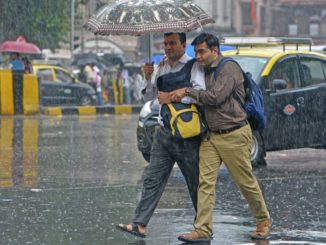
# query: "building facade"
{"type": "Point", "coordinates": [280, 18]}
{"type": "Point", "coordinates": [232, 17]}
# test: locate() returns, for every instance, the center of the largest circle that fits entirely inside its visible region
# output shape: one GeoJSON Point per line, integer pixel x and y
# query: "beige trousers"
{"type": "Point", "coordinates": [233, 149]}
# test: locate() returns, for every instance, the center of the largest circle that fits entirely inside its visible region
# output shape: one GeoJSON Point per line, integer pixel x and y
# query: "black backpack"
{"type": "Point", "coordinates": [254, 101]}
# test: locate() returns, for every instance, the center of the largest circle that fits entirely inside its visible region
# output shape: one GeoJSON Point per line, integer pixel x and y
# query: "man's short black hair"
{"type": "Point", "coordinates": [210, 39]}
{"type": "Point", "coordinates": [182, 36]}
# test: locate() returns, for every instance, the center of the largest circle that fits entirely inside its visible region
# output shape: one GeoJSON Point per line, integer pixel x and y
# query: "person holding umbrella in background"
{"type": "Point", "coordinates": [16, 64]}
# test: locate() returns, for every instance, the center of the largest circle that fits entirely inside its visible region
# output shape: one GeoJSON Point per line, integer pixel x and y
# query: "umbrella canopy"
{"type": "Point", "coordinates": [19, 46]}
{"type": "Point", "coordinates": [137, 17]}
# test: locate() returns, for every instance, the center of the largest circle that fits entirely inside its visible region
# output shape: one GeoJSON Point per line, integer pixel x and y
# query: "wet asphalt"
{"type": "Point", "coordinates": [70, 180]}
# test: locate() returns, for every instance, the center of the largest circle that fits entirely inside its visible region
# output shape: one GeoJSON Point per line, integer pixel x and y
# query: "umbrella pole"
{"type": "Point", "coordinates": [150, 46]}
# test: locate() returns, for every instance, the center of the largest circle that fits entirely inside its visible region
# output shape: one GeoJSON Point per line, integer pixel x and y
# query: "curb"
{"type": "Point", "coordinates": [91, 110]}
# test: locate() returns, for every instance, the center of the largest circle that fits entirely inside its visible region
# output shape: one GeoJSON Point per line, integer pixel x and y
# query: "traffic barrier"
{"type": "Point", "coordinates": [31, 94]}
{"type": "Point", "coordinates": [19, 93]}
{"type": "Point", "coordinates": [91, 110]}
{"type": "Point", "coordinates": [6, 93]}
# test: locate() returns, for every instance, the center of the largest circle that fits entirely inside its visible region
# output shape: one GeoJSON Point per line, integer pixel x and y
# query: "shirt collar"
{"type": "Point", "coordinates": [184, 59]}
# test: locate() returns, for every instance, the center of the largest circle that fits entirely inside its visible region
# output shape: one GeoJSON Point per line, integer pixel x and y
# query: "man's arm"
{"type": "Point", "coordinates": [218, 92]}
{"type": "Point", "coordinates": [198, 83]}
{"type": "Point", "coordinates": [149, 92]}
{"type": "Point", "coordinates": [164, 98]}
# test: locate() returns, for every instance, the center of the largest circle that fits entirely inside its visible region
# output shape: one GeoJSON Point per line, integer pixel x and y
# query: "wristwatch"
{"type": "Point", "coordinates": [187, 91]}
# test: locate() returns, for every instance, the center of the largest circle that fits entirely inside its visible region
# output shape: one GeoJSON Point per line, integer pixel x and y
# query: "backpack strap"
{"type": "Point", "coordinates": [221, 64]}
{"type": "Point", "coordinates": [218, 70]}
{"type": "Point", "coordinates": [188, 66]}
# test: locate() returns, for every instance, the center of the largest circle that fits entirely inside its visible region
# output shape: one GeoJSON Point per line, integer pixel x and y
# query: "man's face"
{"type": "Point", "coordinates": [173, 48]}
{"type": "Point", "coordinates": [204, 55]}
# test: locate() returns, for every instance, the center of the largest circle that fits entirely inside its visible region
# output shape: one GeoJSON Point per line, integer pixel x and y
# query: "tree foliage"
{"type": "Point", "coordinates": [43, 22]}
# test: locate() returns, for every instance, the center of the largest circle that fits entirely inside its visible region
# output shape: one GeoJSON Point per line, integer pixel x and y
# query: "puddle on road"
{"type": "Point", "coordinates": [283, 243]}
{"type": "Point", "coordinates": [53, 188]}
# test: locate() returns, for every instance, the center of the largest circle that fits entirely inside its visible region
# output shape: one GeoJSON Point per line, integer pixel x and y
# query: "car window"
{"type": "Point", "coordinates": [63, 76]}
{"type": "Point", "coordinates": [313, 71]}
{"type": "Point", "coordinates": [45, 75]}
{"type": "Point", "coordinates": [254, 65]}
{"type": "Point", "coordinates": [286, 70]}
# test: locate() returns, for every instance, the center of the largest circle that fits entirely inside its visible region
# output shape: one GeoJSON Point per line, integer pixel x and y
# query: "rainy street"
{"type": "Point", "coordinates": [70, 180]}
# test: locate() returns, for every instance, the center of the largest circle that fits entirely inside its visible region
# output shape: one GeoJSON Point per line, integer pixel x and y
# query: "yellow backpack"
{"type": "Point", "coordinates": [184, 120]}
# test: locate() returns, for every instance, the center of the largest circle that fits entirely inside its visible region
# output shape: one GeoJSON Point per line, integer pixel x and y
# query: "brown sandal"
{"type": "Point", "coordinates": [262, 230]}
{"type": "Point", "coordinates": [194, 236]}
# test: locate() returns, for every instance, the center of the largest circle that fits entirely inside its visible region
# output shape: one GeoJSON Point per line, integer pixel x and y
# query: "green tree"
{"type": "Point", "coordinates": [43, 22]}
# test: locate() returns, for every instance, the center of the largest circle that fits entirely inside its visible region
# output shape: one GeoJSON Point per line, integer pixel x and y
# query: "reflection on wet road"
{"type": "Point", "coordinates": [69, 180]}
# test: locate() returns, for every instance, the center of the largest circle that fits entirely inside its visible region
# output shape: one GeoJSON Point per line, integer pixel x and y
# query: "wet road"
{"type": "Point", "coordinates": [69, 180]}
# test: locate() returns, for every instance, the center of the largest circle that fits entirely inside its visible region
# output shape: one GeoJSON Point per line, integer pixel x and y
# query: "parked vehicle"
{"type": "Point", "coordinates": [293, 83]}
{"type": "Point", "coordinates": [59, 87]}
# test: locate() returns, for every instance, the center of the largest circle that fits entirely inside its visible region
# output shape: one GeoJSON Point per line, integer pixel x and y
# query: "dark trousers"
{"type": "Point", "coordinates": [164, 153]}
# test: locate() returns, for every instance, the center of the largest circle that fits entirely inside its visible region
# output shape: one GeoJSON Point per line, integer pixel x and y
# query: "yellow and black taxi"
{"type": "Point", "coordinates": [59, 88]}
{"type": "Point", "coordinates": [293, 81]}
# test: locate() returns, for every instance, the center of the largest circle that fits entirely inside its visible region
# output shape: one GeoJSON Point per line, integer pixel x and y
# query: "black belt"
{"type": "Point", "coordinates": [228, 130]}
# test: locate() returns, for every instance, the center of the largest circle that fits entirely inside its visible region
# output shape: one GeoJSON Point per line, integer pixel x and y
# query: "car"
{"type": "Point", "coordinates": [59, 88]}
{"type": "Point", "coordinates": [293, 83]}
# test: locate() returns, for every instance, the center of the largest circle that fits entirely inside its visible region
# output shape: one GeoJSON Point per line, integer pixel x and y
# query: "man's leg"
{"type": "Point", "coordinates": [155, 179]}
{"type": "Point", "coordinates": [235, 150]}
{"type": "Point", "coordinates": [186, 154]}
{"type": "Point", "coordinates": [209, 165]}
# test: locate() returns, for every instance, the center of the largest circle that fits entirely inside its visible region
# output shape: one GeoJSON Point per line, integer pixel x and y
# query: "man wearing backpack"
{"type": "Point", "coordinates": [166, 150]}
{"type": "Point", "coordinates": [229, 140]}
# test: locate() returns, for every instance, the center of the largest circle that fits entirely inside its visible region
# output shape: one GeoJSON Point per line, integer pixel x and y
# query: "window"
{"type": "Point", "coordinates": [63, 76]}
{"type": "Point", "coordinates": [45, 75]}
{"type": "Point", "coordinates": [254, 65]}
{"type": "Point", "coordinates": [313, 71]}
{"type": "Point", "coordinates": [286, 70]}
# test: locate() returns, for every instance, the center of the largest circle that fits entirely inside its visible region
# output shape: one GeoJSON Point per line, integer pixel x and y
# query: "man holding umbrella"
{"type": "Point", "coordinates": [166, 150]}
{"type": "Point", "coordinates": [173, 17]}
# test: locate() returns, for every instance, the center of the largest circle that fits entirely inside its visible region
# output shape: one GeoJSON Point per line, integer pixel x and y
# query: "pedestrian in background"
{"type": "Point", "coordinates": [97, 84]}
{"type": "Point", "coordinates": [137, 85]}
{"type": "Point", "coordinates": [28, 69]}
{"type": "Point", "coordinates": [126, 85]}
{"type": "Point", "coordinates": [88, 71]}
{"type": "Point", "coordinates": [229, 141]}
{"type": "Point", "coordinates": [15, 63]}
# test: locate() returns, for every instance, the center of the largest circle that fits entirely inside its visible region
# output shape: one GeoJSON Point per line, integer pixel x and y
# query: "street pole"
{"type": "Point", "coordinates": [82, 31]}
{"type": "Point", "coordinates": [72, 22]}
{"type": "Point", "coordinates": [268, 25]}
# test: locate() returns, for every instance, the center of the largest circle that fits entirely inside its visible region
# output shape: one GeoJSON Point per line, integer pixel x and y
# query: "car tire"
{"type": "Point", "coordinates": [85, 101]}
{"type": "Point", "coordinates": [146, 156]}
{"type": "Point", "coordinates": [257, 151]}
